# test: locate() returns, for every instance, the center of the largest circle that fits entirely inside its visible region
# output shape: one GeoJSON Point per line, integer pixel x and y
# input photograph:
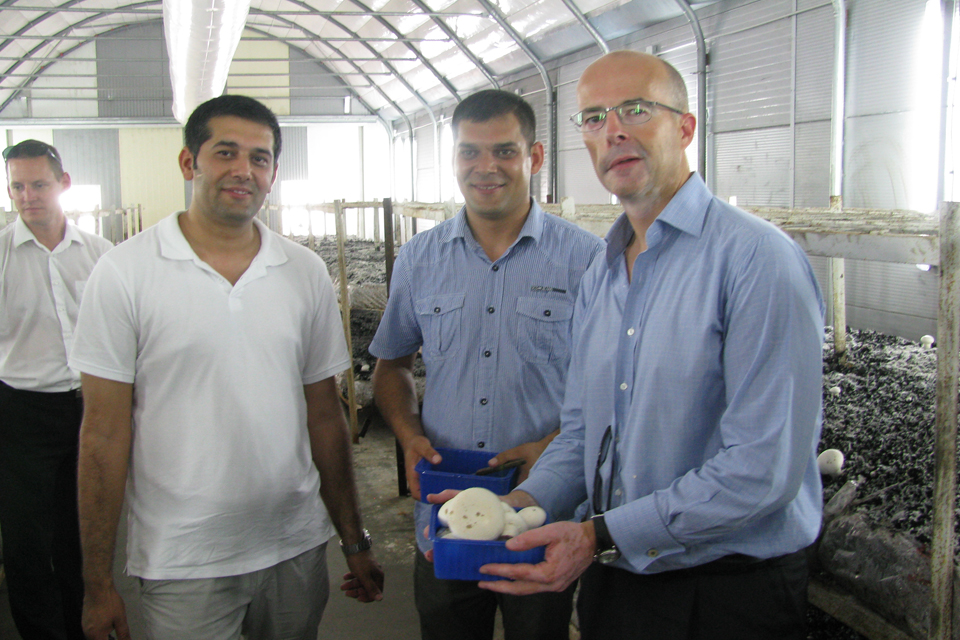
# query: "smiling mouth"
{"type": "Point", "coordinates": [486, 188]}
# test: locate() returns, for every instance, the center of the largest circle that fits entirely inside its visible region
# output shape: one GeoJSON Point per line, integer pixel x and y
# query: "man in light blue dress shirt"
{"type": "Point", "coordinates": [693, 404]}
{"type": "Point", "coordinates": [488, 296]}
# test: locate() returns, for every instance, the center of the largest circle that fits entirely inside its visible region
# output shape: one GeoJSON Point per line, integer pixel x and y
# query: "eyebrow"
{"type": "Point", "coordinates": [234, 145]}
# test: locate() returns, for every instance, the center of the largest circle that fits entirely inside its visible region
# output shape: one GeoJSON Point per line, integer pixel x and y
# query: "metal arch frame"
{"type": "Point", "coordinates": [464, 49]}
{"type": "Point", "coordinates": [701, 86]}
{"type": "Point", "coordinates": [399, 77]}
{"type": "Point", "coordinates": [500, 19]}
{"type": "Point", "coordinates": [400, 38]}
{"type": "Point", "coordinates": [582, 19]}
{"type": "Point", "coordinates": [45, 42]}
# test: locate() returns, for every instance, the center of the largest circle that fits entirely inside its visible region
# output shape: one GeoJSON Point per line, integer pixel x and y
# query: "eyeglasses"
{"type": "Point", "coordinates": [31, 149]}
{"type": "Point", "coordinates": [598, 506]}
{"type": "Point", "coordinates": [630, 112]}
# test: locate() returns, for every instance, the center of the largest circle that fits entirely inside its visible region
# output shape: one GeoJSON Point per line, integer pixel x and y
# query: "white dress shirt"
{"type": "Point", "coordinates": [40, 292]}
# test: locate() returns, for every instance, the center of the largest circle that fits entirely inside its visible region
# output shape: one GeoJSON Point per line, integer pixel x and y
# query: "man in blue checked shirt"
{"type": "Point", "coordinates": [693, 405]}
{"type": "Point", "coordinates": [488, 296]}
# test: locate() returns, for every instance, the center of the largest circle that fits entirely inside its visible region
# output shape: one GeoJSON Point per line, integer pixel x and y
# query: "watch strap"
{"type": "Point", "coordinates": [365, 543]}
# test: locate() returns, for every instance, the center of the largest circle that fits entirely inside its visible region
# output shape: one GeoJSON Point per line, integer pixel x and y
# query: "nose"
{"type": "Point", "coordinates": [614, 128]}
{"type": "Point", "coordinates": [487, 163]}
{"type": "Point", "coordinates": [242, 167]}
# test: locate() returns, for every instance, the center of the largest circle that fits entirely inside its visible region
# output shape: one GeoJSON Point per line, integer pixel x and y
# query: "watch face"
{"type": "Point", "coordinates": [608, 555]}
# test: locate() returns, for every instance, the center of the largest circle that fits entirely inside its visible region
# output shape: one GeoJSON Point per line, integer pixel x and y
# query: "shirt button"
{"type": "Point", "coordinates": [630, 331]}
{"type": "Point", "coordinates": [623, 386]}
{"type": "Point", "coordinates": [483, 401]}
{"type": "Point", "coordinates": [496, 267]}
{"type": "Point", "coordinates": [486, 354]}
{"type": "Point", "coordinates": [547, 313]}
{"type": "Point", "coordinates": [652, 553]}
{"type": "Point", "coordinates": [618, 492]}
{"type": "Point", "coordinates": [490, 309]}
{"type": "Point", "coordinates": [436, 309]}
{"type": "Point", "coordinates": [481, 444]}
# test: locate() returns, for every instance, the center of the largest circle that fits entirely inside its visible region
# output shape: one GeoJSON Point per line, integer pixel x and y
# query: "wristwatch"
{"type": "Point", "coordinates": [365, 543]}
{"type": "Point", "coordinates": [606, 551]}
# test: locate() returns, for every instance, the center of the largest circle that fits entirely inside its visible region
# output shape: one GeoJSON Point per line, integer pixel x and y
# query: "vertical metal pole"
{"type": "Point", "coordinates": [345, 314]}
{"type": "Point", "coordinates": [376, 226]}
{"type": "Point", "coordinates": [945, 444]}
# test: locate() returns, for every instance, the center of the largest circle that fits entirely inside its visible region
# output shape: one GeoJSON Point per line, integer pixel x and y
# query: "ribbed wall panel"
{"type": "Point", "coordinates": [134, 73]}
{"type": "Point", "coordinates": [812, 164]}
{"type": "Point", "coordinates": [754, 166]}
{"type": "Point", "coordinates": [313, 90]}
{"type": "Point", "coordinates": [92, 157]}
{"type": "Point", "coordinates": [294, 161]}
{"type": "Point", "coordinates": [891, 290]}
{"type": "Point", "coordinates": [881, 55]}
{"type": "Point", "coordinates": [749, 84]}
{"type": "Point", "coordinates": [815, 35]}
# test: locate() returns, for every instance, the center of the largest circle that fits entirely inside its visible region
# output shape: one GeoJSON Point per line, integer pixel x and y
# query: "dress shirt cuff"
{"type": "Point", "coordinates": [640, 535]}
{"type": "Point", "coordinates": [553, 493]}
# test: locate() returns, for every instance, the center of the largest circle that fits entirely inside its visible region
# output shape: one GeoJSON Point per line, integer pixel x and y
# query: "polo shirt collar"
{"type": "Point", "coordinates": [174, 245]}
{"type": "Point", "coordinates": [686, 212]}
{"type": "Point", "coordinates": [532, 227]}
{"type": "Point", "coordinates": [22, 234]}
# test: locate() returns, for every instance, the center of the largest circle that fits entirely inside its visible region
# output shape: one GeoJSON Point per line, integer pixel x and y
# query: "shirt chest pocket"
{"type": "Point", "coordinates": [543, 329]}
{"type": "Point", "coordinates": [440, 318]}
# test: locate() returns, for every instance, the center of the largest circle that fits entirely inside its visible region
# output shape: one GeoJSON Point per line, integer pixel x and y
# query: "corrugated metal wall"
{"type": "Point", "coordinates": [92, 156]}
{"type": "Point", "coordinates": [134, 73]}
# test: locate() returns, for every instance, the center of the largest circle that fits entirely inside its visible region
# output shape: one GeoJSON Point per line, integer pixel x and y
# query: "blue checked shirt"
{"type": "Point", "coordinates": [495, 335]}
{"type": "Point", "coordinates": [708, 367]}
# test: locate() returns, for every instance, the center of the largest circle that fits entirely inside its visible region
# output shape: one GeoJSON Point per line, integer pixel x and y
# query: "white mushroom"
{"type": "Point", "coordinates": [533, 516]}
{"type": "Point", "coordinates": [834, 391]}
{"type": "Point", "coordinates": [927, 341]}
{"type": "Point", "coordinates": [514, 524]}
{"type": "Point", "coordinates": [475, 514]}
{"type": "Point", "coordinates": [830, 462]}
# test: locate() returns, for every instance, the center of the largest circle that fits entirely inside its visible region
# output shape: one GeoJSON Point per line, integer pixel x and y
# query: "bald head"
{"type": "Point", "coordinates": [629, 64]}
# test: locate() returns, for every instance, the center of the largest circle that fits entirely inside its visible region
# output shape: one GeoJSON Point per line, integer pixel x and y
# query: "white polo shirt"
{"type": "Point", "coordinates": [221, 477]}
{"type": "Point", "coordinates": [40, 293]}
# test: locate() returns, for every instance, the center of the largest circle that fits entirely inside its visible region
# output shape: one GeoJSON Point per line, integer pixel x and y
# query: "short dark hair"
{"type": "Point", "coordinates": [197, 130]}
{"type": "Point", "coordinates": [35, 149]}
{"type": "Point", "coordinates": [493, 103]}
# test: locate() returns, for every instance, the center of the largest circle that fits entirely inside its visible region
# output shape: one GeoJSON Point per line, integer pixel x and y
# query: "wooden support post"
{"type": "Point", "coordinates": [345, 314]}
{"type": "Point", "coordinates": [376, 227]}
{"type": "Point", "coordinates": [139, 218]}
{"type": "Point", "coordinates": [312, 241]}
{"type": "Point", "coordinates": [388, 248]}
{"type": "Point", "coordinates": [945, 443]}
{"type": "Point", "coordinates": [839, 285]}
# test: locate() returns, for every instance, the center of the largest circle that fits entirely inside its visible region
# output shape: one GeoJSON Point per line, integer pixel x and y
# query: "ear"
{"type": "Point", "coordinates": [688, 126]}
{"type": "Point", "coordinates": [186, 164]}
{"type": "Point", "coordinates": [536, 158]}
{"type": "Point", "coordinates": [65, 181]}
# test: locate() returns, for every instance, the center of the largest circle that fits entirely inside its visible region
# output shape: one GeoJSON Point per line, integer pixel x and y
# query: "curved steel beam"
{"type": "Point", "coordinates": [582, 19]}
{"type": "Point", "coordinates": [547, 83]}
{"type": "Point", "coordinates": [701, 87]}
{"type": "Point", "coordinates": [464, 49]}
{"type": "Point", "coordinates": [52, 38]}
{"type": "Point", "coordinates": [400, 37]}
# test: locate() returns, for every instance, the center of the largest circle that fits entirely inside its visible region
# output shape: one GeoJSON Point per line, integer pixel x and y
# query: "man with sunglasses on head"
{"type": "Point", "coordinates": [44, 265]}
{"type": "Point", "coordinates": [693, 405]}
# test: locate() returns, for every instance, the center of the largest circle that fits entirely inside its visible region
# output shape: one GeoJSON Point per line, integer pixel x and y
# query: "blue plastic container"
{"type": "Point", "coordinates": [458, 470]}
{"type": "Point", "coordinates": [455, 559]}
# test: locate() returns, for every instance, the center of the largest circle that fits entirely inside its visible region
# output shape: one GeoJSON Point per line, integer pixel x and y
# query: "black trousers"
{"type": "Point", "coordinates": [729, 599]}
{"type": "Point", "coordinates": [460, 610]}
{"type": "Point", "coordinates": [38, 511]}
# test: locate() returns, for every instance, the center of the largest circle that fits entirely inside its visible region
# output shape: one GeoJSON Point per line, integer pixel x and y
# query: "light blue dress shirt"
{"type": "Point", "coordinates": [708, 368]}
{"type": "Point", "coordinates": [495, 335]}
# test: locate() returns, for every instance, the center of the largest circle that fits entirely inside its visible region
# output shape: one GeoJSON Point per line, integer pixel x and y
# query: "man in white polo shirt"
{"type": "Point", "coordinates": [209, 352]}
{"type": "Point", "coordinates": [44, 264]}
